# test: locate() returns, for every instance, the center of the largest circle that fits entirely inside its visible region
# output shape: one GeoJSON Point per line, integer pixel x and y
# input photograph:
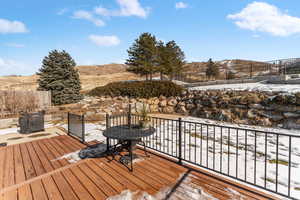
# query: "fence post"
{"type": "Point", "coordinates": [83, 129]}
{"type": "Point", "coordinates": [129, 116]}
{"type": "Point", "coordinates": [180, 142]}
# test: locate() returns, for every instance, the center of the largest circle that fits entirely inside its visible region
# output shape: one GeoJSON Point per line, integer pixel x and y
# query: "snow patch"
{"type": "Point", "coordinates": [128, 195]}
{"type": "Point", "coordinates": [284, 88]}
{"type": "Point", "coordinates": [72, 157]}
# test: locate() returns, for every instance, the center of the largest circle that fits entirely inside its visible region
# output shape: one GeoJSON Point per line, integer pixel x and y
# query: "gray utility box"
{"type": "Point", "coordinates": [31, 122]}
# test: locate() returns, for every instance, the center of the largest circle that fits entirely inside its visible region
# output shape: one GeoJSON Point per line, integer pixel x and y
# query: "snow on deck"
{"type": "Point", "coordinates": [203, 144]}
{"type": "Point", "coordinates": [284, 88]}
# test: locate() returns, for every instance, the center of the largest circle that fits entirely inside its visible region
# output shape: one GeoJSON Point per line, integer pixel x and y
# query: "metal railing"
{"type": "Point", "coordinates": [76, 126]}
{"type": "Point", "coordinates": [264, 159]}
{"type": "Point", "coordinates": [244, 70]}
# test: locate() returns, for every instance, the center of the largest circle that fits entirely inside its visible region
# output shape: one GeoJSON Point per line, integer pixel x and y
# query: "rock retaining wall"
{"type": "Point", "coordinates": [240, 107]}
{"type": "Point", "coordinates": [252, 108]}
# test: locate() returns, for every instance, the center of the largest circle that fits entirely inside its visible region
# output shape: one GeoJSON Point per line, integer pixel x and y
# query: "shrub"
{"type": "Point", "coordinates": [230, 75]}
{"type": "Point", "coordinates": [138, 89]}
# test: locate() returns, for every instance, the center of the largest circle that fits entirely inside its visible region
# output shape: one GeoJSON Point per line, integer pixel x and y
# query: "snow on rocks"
{"type": "Point", "coordinates": [284, 88]}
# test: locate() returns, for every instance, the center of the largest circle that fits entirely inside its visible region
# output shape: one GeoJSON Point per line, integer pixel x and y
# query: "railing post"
{"type": "Point", "coordinates": [83, 129]}
{"type": "Point", "coordinates": [107, 126]}
{"type": "Point", "coordinates": [180, 141]}
{"type": "Point", "coordinates": [129, 116]}
{"type": "Point", "coordinates": [68, 123]}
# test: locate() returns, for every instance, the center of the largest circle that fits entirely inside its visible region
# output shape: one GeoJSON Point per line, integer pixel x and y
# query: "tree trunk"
{"type": "Point", "coordinates": [161, 76]}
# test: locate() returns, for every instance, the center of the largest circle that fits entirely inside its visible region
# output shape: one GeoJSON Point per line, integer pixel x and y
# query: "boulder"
{"type": "Point", "coordinates": [155, 101]}
{"type": "Point", "coordinates": [132, 101]}
{"type": "Point", "coordinates": [162, 98]}
{"type": "Point", "coordinates": [291, 115]}
{"type": "Point", "coordinates": [221, 115]}
{"type": "Point", "coordinates": [172, 102]}
{"type": "Point", "coordinates": [291, 124]}
{"type": "Point", "coordinates": [182, 103]}
{"type": "Point", "coordinates": [181, 110]}
{"type": "Point", "coordinates": [153, 108]}
{"type": "Point", "coordinates": [168, 109]}
{"type": "Point", "coordinates": [198, 101]}
{"type": "Point", "coordinates": [163, 103]}
{"type": "Point", "coordinates": [253, 98]}
{"type": "Point", "coordinates": [256, 106]}
{"type": "Point", "coordinates": [274, 116]}
{"type": "Point", "coordinates": [190, 106]}
{"type": "Point", "coordinates": [251, 114]}
{"type": "Point", "coordinates": [283, 108]}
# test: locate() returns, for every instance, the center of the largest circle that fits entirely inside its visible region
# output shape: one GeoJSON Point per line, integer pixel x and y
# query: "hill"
{"type": "Point", "coordinates": [101, 69]}
{"type": "Point", "coordinates": [241, 68]}
{"type": "Point", "coordinates": [91, 76]}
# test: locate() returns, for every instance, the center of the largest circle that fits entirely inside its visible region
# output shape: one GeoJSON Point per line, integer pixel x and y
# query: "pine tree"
{"type": "Point", "coordinates": [58, 75]}
{"type": "Point", "coordinates": [212, 69]}
{"type": "Point", "coordinates": [143, 56]}
{"type": "Point", "coordinates": [170, 59]}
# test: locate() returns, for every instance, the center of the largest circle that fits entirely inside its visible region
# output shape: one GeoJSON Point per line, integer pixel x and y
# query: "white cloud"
{"type": "Point", "coordinates": [102, 40]}
{"type": "Point", "coordinates": [62, 11]}
{"type": "Point", "coordinates": [180, 5]}
{"type": "Point", "coordinates": [82, 14]}
{"type": "Point", "coordinates": [127, 8]}
{"type": "Point", "coordinates": [264, 17]}
{"type": "Point", "coordinates": [15, 45]}
{"type": "Point", "coordinates": [12, 67]}
{"type": "Point", "coordinates": [7, 26]}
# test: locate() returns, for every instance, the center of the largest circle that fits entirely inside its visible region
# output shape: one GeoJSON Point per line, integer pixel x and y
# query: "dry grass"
{"type": "Point", "coordinates": [90, 76]}
{"type": "Point", "coordinates": [13, 101]}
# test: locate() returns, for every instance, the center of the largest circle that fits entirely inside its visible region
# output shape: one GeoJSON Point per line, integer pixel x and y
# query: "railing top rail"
{"type": "Point", "coordinates": [231, 127]}
{"type": "Point", "coordinates": [245, 129]}
{"type": "Point", "coordinates": [75, 114]}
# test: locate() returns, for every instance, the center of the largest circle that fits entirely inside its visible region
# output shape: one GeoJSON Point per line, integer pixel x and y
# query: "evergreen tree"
{"type": "Point", "coordinates": [58, 75]}
{"type": "Point", "coordinates": [212, 69]}
{"type": "Point", "coordinates": [143, 56]}
{"type": "Point", "coordinates": [170, 59]}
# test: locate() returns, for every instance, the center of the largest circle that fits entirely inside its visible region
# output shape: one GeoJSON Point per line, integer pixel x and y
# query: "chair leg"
{"type": "Point", "coordinates": [144, 145]}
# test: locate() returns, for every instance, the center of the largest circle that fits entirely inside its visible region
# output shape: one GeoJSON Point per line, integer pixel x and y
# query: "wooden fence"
{"type": "Point", "coordinates": [12, 102]}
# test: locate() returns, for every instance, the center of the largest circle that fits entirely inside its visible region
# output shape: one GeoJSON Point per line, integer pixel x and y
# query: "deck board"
{"type": "Point", "coordinates": [76, 185]}
{"type": "Point", "coordinates": [2, 158]}
{"type": "Point", "coordinates": [9, 177]}
{"type": "Point", "coordinates": [35, 170]}
{"type": "Point", "coordinates": [38, 191]}
{"type": "Point", "coordinates": [51, 189]}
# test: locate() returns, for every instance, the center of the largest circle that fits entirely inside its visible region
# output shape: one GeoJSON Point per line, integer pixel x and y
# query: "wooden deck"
{"type": "Point", "coordinates": [35, 170]}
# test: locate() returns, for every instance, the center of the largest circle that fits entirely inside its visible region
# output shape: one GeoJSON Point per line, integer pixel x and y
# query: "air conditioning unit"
{"type": "Point", "coordinates": [31, 122]}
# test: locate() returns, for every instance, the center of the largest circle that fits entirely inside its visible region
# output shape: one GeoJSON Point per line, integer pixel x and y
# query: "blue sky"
{"type": "Point", "coordinates": [100, 31]}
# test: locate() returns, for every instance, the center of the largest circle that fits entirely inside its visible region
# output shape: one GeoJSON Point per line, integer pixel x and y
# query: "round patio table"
{"type": "Point", "coordinates": [128, 138]}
